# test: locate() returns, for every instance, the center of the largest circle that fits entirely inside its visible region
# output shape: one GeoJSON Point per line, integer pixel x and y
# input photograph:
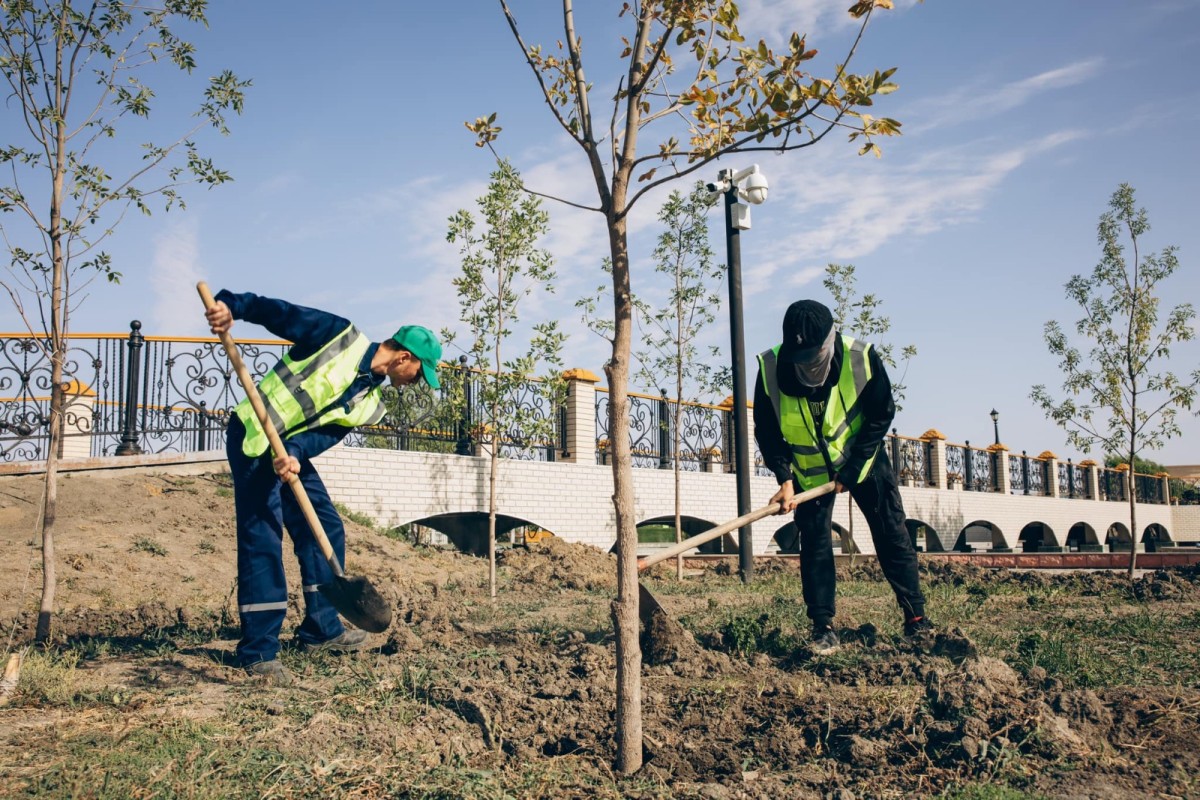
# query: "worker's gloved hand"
{"type": "Point", "coordinates": [287, 466]}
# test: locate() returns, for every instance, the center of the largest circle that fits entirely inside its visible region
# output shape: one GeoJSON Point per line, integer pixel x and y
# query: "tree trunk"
{"type": "Point", "coordinates": [625, 607]}
{"type": "Point", "coordinates": [677, 418]}
{"type": "Point", "coordinates": [494, 464]}
{"type": "Point", "coordinates": [1131, 490]}
{"type": "Point", "coordinates": [58, 355]}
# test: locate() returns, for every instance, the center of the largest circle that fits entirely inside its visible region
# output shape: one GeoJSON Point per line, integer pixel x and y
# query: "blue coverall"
{"type": "Point", "coordinates": [265, 504]}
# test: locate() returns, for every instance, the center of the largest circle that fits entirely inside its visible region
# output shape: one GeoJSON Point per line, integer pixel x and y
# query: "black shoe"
{"type": "Point", "coordinates": [270, 672]}
{"type": "Point", "coordinates": [345, 642]}
{"type": "Point", "coordinates": [824, 640]}
{"type": "Point", "coordinates": [917, 627]}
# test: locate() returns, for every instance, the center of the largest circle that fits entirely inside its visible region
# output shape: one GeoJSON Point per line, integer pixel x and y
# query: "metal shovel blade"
{"type": "Point", "coordinates": [358, 601]}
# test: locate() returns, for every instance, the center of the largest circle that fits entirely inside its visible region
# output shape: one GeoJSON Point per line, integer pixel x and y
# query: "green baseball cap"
{"type": "Point", "coordinates": [423, 344]}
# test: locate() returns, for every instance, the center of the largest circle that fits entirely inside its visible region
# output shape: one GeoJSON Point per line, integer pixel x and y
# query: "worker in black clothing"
{"type": "Point", "coordinates": [822, 407]}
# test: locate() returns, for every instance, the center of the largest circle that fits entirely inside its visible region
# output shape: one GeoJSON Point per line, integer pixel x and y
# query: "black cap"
{"type": "Point", "coordinates": [806, 324]}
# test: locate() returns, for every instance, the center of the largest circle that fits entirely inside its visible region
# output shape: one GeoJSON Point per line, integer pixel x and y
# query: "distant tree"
{"type": "Point", "coordinates": [860, 316]}
{"type": "Point", "coordinates": [502, 264]}
{"type": "Point", "coordinates": [688, 75]}
{"type": "Point", "coordinates": [76, 71]}
{"type": "Point", "coordinates": [669, 354]}
{"type": "Point", "coordinates": [1115, 396]}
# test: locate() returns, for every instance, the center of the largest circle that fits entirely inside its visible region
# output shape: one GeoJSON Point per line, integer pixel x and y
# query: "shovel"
{"type": "Point", "coordinates": [353, 597]}
{"type": "Point", "coordinates": [648, 605]}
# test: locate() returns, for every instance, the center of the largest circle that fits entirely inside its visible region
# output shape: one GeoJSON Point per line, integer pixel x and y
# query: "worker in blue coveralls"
{"type": "Point", "coordinates": [329, 382]}
{"type": "Point", "coordinates": [822, 407]}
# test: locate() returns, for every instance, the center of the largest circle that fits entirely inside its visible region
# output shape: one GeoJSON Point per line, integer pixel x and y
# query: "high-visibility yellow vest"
{"type": "Point", "coordinates": [842, 422]}
{"type": "Point", "coordinates": [300, 395]}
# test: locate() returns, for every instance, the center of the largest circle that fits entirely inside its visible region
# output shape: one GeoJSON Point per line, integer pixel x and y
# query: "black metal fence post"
{"type": "Point", "coordinates": [1024, 470]}
{"type": "Point", "coordinates": [129, 438]}
{"type": "Point", "coordinates": [727, 435]}
{"type": "Point", "coordinates": [664, 432]}
{"type": "Point", "coordinates": [202, 427]}
{"type": "Point", "coordinates": [968, 467]}
{"type": "Point", "coordinates": [463, 447]}
{"type": "Point", "coordinates": [896, 466]}
{"type": "Point", "coordinates": [1070, 479]}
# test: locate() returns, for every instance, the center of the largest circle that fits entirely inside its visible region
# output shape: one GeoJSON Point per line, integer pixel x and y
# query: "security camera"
{"type": "Point", "coordinates": [755, 188]}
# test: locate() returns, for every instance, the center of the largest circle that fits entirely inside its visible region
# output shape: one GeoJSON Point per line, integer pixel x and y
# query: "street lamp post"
{"type": "Point", "coordinates": [995, 415]}
{"type": "Point", "coordinates": [751, 185]}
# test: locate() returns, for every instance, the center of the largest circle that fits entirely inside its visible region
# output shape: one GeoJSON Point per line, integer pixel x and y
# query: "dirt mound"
{"type": "Point", "coordinates": [556, 564]}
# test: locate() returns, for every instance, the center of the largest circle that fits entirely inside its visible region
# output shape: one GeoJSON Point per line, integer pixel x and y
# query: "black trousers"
{"type": "Point", "coordinates": [878, 497]}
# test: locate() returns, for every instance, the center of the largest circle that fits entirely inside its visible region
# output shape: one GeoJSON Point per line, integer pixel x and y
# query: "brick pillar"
{"type": "Point", "coordinates": [79, 400]}
{"type": "Point", "coordinates": [937, 456]}
{"type": "Point", "coordinates": [1051, 473]}
{"type": "Point", "coordinates": [1091, 478]}
{"type": "Point", "coordinates": [581, 416]}
{"type": "Point", "coordinates": [731, 454]}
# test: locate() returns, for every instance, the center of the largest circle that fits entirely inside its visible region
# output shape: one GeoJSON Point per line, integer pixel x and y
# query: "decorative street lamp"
{"type": "Point", "coordinates": [995, 415]}
{"type": "Point", "coordinates": [749, 185]}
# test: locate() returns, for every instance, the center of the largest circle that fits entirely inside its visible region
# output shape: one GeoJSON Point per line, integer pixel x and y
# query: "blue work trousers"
{"type": "Point", "coordinates": [264, 505]}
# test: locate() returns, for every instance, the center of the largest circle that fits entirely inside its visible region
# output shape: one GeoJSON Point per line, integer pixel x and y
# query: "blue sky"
{"type": "Point", "coordinates": [1020, 120]}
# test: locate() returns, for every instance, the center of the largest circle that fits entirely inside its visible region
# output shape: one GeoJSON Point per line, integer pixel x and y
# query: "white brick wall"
{"type": "Point", "coordinates": [575, 500]}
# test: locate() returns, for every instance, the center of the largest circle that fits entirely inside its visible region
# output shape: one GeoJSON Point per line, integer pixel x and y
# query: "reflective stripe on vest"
{"type": "Point", "coordinates": [302, 395]}
{"type": "Point", "coordinates": [842, 422]}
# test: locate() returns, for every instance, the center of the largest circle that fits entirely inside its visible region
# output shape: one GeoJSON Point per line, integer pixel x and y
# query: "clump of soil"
{"type": "Point", "coordinates": [556, 564]}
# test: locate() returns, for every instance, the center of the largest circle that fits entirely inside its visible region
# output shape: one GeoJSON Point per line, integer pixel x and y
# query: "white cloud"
{"type": "Point", "coordinates": [173, 280]}
{"type": "Point", "coordinates": [982, 99]}
{"type": "Point", "coordinates": [848, 209]}
{"type": "Point", "coordinates": [777, 19]}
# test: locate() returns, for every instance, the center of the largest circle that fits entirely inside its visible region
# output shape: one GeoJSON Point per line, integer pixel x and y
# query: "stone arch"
{"type": "Point", "coordinates": [656, 532]}
{"type": "Point", "coordinates": [468, 530]}
{"type": "Point", "coordinates": [787, 539]}
{"type": "Point", "coordinates": [1154, 536]}
{"type": "Point", "coordinates": [1117, 537]}
{"type": "Point", "coordinates": [1082, 536]}
{"type": "Point", "coordinates": [924, 537]}
{"type": "Point", "coordinates": [843, 542]}
{"type": "Point", "coordinates": [1037, 536]}
{"type": "Point", "coordinates": [980, 535]}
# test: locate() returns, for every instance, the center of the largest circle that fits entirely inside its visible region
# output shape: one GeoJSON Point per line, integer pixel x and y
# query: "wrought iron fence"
{"type": "Point", "coordinates": [1149, 489]}
{"type": "Point", "coordinates": [705, 433]}
{"type": "Point", "coordinates": [1071, 483]}
{"type": "Point", "coordinates": [1028, 475]}
{"type": "Point", "coordinates": [1112, 485]}
{"type": "Point", "coordinates": [971, 467]}
{"type": "Point", "coordinates": [132, 394]}
{"type": "Point", "coordinates": [124, 394]}
{"type": "Point", "coordinates": [912, 459]}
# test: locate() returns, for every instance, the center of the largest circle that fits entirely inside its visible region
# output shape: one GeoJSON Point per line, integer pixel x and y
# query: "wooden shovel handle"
{"type": "Point", "coordinates": [693, 542]}
{"type": "Point", "coordinates": [260, 411]}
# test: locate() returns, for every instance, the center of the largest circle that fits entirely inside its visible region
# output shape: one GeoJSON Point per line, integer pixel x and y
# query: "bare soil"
{"type": "Point", "coordinates": [466, 697]}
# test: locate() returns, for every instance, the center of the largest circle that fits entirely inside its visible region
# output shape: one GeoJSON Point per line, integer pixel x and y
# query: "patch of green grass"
{"type": "Point", "coordinates": [356, 517]}
{"type": "Point", "coordinates": [224, 491]}
{"type": "Point", "coordinates": [1139, 646]}
{"type": "Point", "coordinates": [145, 544]}
{"type": "Point", "coordinates": [171, 758]}
{"type": "Point", "coordinates": [989, 792]}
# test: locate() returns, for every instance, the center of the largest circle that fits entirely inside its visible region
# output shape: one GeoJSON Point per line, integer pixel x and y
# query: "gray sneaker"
{"type": "Point", "coordinates": [270, 672]}
{"type": "Point", "coordinates": [824, 641]}
{"type": "Point", "coordinates": [347, 641]}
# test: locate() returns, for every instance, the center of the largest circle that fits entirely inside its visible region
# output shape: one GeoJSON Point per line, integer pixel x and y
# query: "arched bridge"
{"type": "Point", "coordinates": [574, 501]}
